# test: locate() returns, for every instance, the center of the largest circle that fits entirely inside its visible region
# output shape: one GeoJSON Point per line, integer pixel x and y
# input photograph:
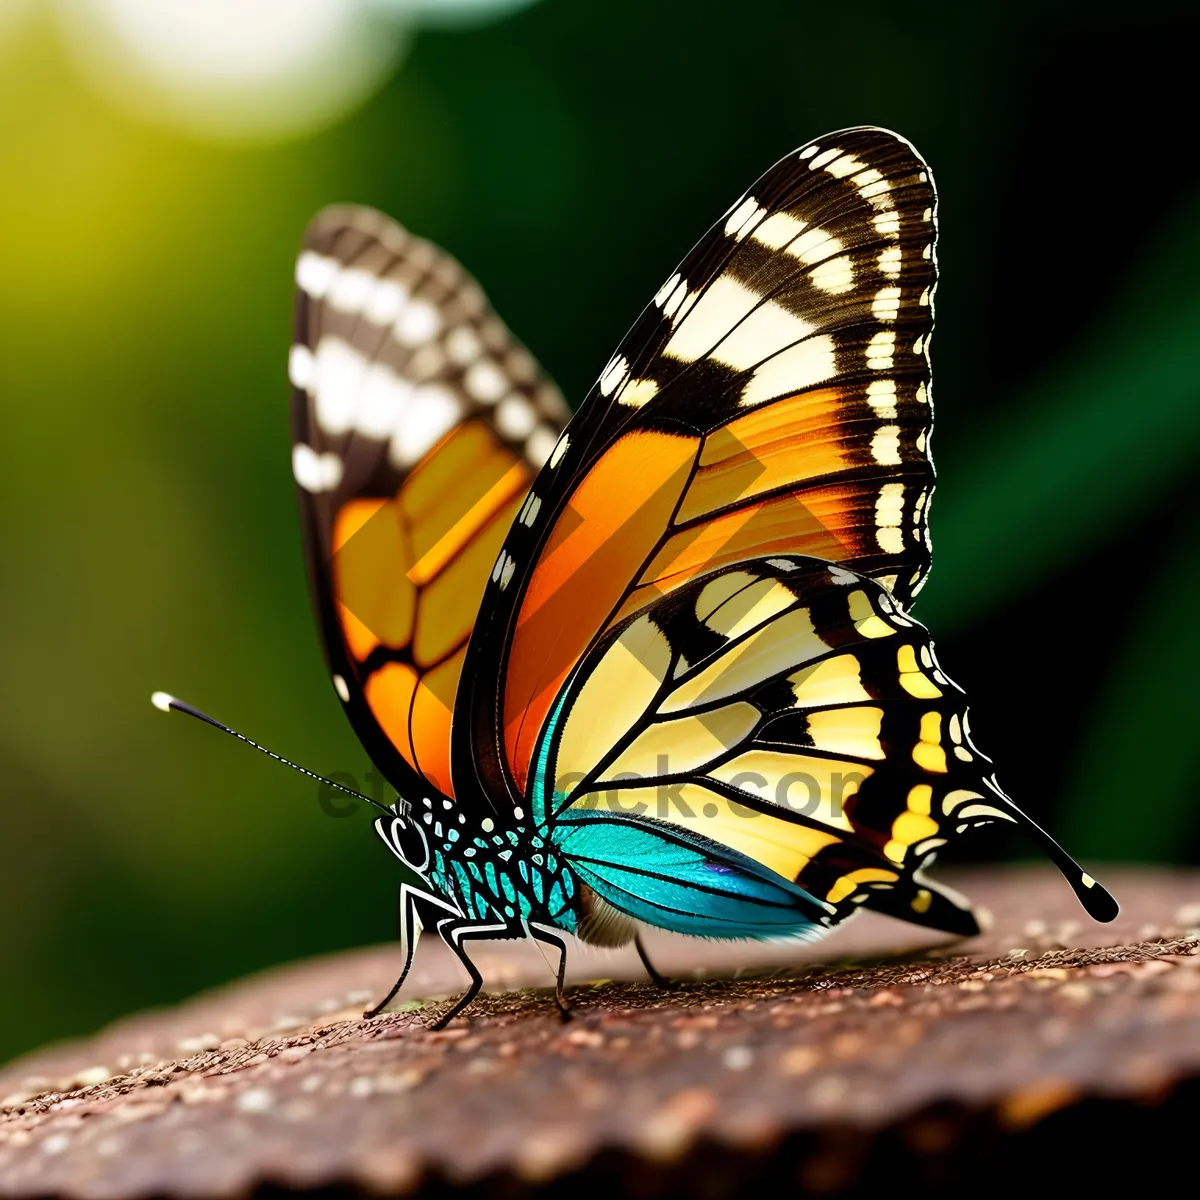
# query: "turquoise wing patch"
{"type": "Point", "coordinates": [685, 884]}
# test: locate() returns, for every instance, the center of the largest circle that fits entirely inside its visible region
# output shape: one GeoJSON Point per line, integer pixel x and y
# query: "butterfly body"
{"type": "Point", "coordinates": [492, 873]}
{"type": "Point", "coordinates": [653, 665]}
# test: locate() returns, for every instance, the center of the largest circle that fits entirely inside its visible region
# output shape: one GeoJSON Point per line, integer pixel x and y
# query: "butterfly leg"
{"type": "Point", "coordinates": [656, 977]}
{"type": "Point", "coordinates": [552, 939]}
{"type": "Point", "coordinates": [416, 909]}
{"type": "Point", "coordinates": [454, 932]}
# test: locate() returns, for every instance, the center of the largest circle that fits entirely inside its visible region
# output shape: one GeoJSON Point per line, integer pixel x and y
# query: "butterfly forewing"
{"type": "Point", "coordinates": [773, 397]}
{"type": "Point", "coordinates": [418, 423]}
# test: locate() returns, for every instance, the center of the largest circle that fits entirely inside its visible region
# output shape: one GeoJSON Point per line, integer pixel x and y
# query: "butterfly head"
{"type": "Point", "coordinates": [405, 838]}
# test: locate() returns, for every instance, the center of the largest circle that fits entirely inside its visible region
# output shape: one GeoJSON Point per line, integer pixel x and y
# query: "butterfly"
{"type": "Point", "coordinates": [652, 663]}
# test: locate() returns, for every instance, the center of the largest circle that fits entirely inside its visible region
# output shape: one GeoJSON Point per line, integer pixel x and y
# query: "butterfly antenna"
{"type": "Point", "coordinates": [165, 703]}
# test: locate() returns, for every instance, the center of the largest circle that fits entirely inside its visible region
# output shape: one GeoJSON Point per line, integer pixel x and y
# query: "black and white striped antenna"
{"type": "Point", "coordinates": [167, 703]}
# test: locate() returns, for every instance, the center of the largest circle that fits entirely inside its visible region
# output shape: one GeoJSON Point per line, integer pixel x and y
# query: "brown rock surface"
{"type": "Point", "coordinates": [882, 1049]}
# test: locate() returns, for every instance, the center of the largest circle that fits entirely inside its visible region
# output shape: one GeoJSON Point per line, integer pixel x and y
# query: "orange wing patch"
{"type": "Point", "coordinates": [451, 600]}
{"type": "Point", "coordinates": [408, 577]}
{"type": "Point", "coordinates": [389, 692]}
{"type": "Point", "coordinates": [595, 550]}
{"type": "Point", "coordinates": [375, 599]}
{"type": "Point", "coordinates": [776, 446]}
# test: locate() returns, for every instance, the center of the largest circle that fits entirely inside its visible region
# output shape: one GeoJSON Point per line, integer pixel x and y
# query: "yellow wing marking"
{"type": "Point", "coordinates": [850, 731]}
{"type": "Point", "coordinates": [815, 788]}
{"type": "Point", "coordinates": [790, 638]}
{"type": "Point", "coordinates": [613, 699]}
{"type": "Point", "coordinates": [834, 681]}
{"type": "Point", "coordinates": [850, 883]}
{"type": "Point", "coordinates": [685, 744]}
{"type": "Point", "coordinates": [928, 753]}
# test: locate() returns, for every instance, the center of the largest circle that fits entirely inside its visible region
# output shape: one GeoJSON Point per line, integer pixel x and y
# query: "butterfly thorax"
{"type": "Point", "coordinates": [488, 869]}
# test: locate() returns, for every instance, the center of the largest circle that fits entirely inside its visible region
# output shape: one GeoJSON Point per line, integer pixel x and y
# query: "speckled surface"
{"type": "Point", "coordinates": [278, 1080]}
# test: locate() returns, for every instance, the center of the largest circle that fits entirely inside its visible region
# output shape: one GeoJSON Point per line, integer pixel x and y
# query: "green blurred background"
{"type": "Point", "coordinates": [569, 152]}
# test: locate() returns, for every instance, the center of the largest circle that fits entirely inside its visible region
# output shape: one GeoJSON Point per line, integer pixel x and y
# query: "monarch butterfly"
{"type": "Point", "coordinates": [651, 663]}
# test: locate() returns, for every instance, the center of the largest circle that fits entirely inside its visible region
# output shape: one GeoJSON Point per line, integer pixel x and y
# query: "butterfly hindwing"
{"type": "Point", "coordinates": [783, 712]}
{"type": "Point", "coordinates": [773, 397]}
{"type": "Point", "coordinates": [418, 423]}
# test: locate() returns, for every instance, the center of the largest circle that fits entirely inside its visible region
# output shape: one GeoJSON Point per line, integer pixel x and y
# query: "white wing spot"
{"type": "Point", "coordinates": [383, 397]}
{"type": "Point", "coordinates": [515, 417]}
{"type": "Point", "coordinates": [740, 218]}
{"type": "Point", "coordinates": [337, 378]}
{"type": "Point", "coordinates": [485, 382]}
{"type": "Point", "coordinates": [889, 512]}
{"type": "Point", "coordinates": [847, 165]}
{"type": "Point", "coordinates": [675, 301]}
{"type": "Point", "coordinates": [507, 574]}
{"type": "Point", "coordinates": [463, 345]}
{"type": "Point", "coordinates": [386, 302]}
{"type": "Point", "coordinates": [881, 396]}
{"type": "Point", "coordinates": [433, 411]}
{"type": "Point", "coordinates": [351, 290]}
{"type": "Point", "coordinates": [873, 188]}
{"type": "Point", "coordinates": [343, 691]}
{"type": "Point", "coordinates": [315, 472]}
{"type": "Point", "coordinates": [887, 223]}
{"type": "Point", "coordinates": [540, 445]}
{"type": "Point", "coordinates": [815, 245]}
{"type": "Point", "coordinates": [809, 151]}
{"type": "Point", "coordinates": [660, 297]}
{"type": "Point", "coordinates": [766, 331]}
{"type": "Point", "coordinates": [560, 449]}
{"type": "Point", "coordinates": [834, 275]}
{"type": "Point", "coordinates": [637, 392]}
{"type": "Point", "coordinates": [614, 374]}
{"type": "Point", "coordinates": [889, 261]}
{"type": "Point", "coordinates": [315, 273]}
{"type": "Point", "coordinates": [417, 323]}
{"type": "Point", "coordinates": [809, 362]}
{"type": "Point", "coordinates": [719, 309]}
{"type": "Point", "coordinates": [499, 567]}
{"type": "Point", "coordinates": [530, 509]}
{"type": "Point", "coordinates": [885, 446]}
{"type": "Point", "coordinates": [778, 230]}
{"type": "Point", "coordinates": [881, 351]}
{"type": "Point", "coordinates": [302, 368]}
{"type": "Point", "coordinates": [886, 305]}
